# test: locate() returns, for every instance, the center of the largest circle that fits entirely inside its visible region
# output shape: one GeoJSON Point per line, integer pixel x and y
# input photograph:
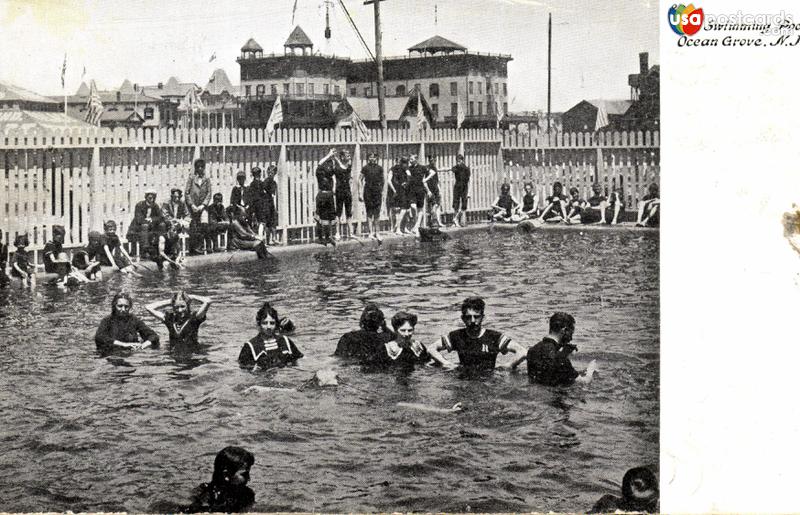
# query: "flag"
{"type": "Point", "coordinates": [498, 112]}
{"type": "Point", "coordinates": [94, 107]}
{"type": "Point", "coordinates": [420, 114]}
{"type": "Point", "coordinates": [460, 116]}
{"type": "Point", "coordinates": [360, 128]}
{"type": "Point", "coordinates": [276, 116]}
{"type": "Point", "coordinates": [191, 102]}
{"type": "Point", "coordinates": [84, 73]}
{"type": "Point", "coordinates": [213, 56]}
{"type": "Point", "coordinates": [63, 70]}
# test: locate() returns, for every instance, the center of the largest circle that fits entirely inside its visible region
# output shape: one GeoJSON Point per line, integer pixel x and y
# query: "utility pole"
{"type": "Point", "coordinates": [379, 60]}
{"type": "Point", "coordinates": [549, 51]}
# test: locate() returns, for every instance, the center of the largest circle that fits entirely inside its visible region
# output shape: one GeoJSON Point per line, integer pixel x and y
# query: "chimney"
{"type": "Point", "coordinates": [643, 63]}
{"type": "Point", "coordinates": [119, 96]}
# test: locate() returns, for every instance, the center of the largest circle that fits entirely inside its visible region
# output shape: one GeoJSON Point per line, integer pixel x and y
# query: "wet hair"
{"type": "Point", "coordinates": [265, 310]}
{"type": "Point", "coordinates": [473, 303]}
{"type": "Point", "coordinates": [401, 317]}
{"type": "Point", "coordinates": [573, 191]}
{"type": "Point", "coordinates": [199, 163]}
{"type": "Point", "coordinates": [21, 240]}
{"type": "Point", "coordinates": [372, 318]}
{"type": "Point", "coordinates": [560, 320]}
{"type": "Point", "coordinates": [176, 190]}
{"type": "Point", "coordinates": [120, 295]}
{"type": "Point", "coordinates": [639, 486]}
{"type": "Point", "coordinates": [181, 295]}
{"type": "Point", "coordinates": [217, 196]}
{"type": "Point", "coordinates": [228, 461]}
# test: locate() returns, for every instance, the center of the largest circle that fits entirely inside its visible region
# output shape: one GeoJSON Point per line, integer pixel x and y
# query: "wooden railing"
{"type": "Point", "coordinates": [80, 178]}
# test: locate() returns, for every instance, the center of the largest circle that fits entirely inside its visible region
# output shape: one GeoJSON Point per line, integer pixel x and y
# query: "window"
{"type": "Point", "coordinates": [435, 109]}
{"type": "Point", "coordinates": [337, 91]}
{"type": "Point", "coordinates": [433, 90]}
{"type": "Point", "coordinates": [311, 88]}
{"type": "Point", "coordinates": [326, 89]}
{"type": "Point", "coordinates": [471, 108]}
{"type": "Point", "coordinates": [352, 91]}
{"type": "Point", "coordinates": [480, 108]}
{"type": "Point", "coordinates": [480, 88]}
{"type": "Point", "coordinates": [368, 91]}
{"type": "Point", "coordinates": [454, 109]}
{"type": "Point", "coordinates": [505, 89]}
{"type": "Point", "coordinates": [247, 91]}
{"type": "Point", "coordinates": [417, 87]}
{"type": "Point", "coordinates": [149, 113]}
{"type": "Point", "coordinates": [488, 87]}
{"type": "Point", "coordinates": [285, 88]}
{"type": "Point", "coordinates": [496, 88]}
{"type": "Point", "coordinates": [505, 107]}
{"type": "Point", "coordinates": [488, 108]}
{"type": "Point", "coordinates": [400, 90]}
{"type": "Point", "coordinates": [260, 90]}
{"type": "Point", "coordinates": [470, 88]}
{"type": "Point", "coordinates": [129, 108]}
{"type": "Point", "coordinates": [300, 89]}
{"type": "Point", "coordinates": [454, 88]}
{"type": "Point", "coordinates": [273, 89]}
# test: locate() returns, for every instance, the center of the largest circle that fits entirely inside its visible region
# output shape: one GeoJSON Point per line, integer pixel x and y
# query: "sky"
{"type": "Point", "coordinates": [595, 45]}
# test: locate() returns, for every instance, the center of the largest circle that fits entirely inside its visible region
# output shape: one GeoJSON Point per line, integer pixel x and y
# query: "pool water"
{"type": "Point", "coordinates": [83, 432]}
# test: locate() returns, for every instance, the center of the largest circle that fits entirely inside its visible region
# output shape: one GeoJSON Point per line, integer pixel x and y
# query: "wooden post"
{"type": "Point", "coordinates": [283, 195]}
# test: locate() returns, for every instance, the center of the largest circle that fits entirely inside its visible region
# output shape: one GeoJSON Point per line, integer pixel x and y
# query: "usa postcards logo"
{"type": "Point", "coordinates": [685, 20]}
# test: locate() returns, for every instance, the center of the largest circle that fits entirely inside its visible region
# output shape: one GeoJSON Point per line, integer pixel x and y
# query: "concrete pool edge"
{"type": "Point", "coordinates": [301, 249]}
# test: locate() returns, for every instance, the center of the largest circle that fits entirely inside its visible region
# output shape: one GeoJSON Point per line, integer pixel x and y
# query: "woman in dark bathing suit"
{"type": "Point", "coordinates": [182, 323]}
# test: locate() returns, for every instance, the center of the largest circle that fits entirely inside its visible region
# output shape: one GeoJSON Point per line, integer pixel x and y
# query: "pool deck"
{"type": "Point", "coordinates": [388, 239]}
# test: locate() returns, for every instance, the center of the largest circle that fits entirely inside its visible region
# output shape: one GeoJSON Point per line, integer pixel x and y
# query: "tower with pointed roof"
{"type": "Point", "coordinates": [298, 39]}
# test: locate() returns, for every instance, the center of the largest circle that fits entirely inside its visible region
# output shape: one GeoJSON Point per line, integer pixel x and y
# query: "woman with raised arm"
{"type": "Point", "coordinates": [182, 323]}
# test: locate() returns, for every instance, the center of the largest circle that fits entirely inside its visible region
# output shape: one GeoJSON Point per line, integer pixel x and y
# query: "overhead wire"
{"type": "Point", "coordinates": [355, 28]}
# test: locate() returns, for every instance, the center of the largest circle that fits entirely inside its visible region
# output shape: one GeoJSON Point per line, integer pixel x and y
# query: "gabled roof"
{"type": "Point", "coordinates": [252, 46]}
{"type": "Point", "coordinates": [19, 118]}
{"type": "Point", "coordinates": [298, 38]}
{"type": "Point", "coordinates": [611, 106]}
{"type": "Point", "coordinates": [83, 90]}
{"type": "Point", "coordinates": [9, 92]}
{"type": "Point", "coordinates": [437, 44]}
{"type": "Point", "coordinates": [219, 82]}
{"type": "Point", "coordinates": [172, 88]}
{"type": "Point", "coordinates": [120, 116]}
{"type": "Point", "coordinates": [367, 107]}
{"type": "Point", "coordinates": [126, 87]}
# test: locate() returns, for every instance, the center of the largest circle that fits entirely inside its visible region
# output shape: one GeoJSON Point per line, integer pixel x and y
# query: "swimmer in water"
{"type": "Point", "coordinates": [22, 268]}
{"type": "Point", "coordinates": [476, 346]}
{"type": "Point", "coordinates": [402, 352]}
{"type": "Point", "coordinates": [270, 348]}
{"type": "Point", "coordinates": [228, 491]}
{"type": "Point", "coordinates": [182, 323]}
{"type": "Point", "coordinates": [363, 343]}
{"type": "Point", "coordinates": [123, 329]}
{"type": "Point", "coordinates": [548, 360]}
{"type": "Point", "coordinates": [639, 493]}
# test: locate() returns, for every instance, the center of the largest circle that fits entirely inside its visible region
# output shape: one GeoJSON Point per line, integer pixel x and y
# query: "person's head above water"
{"type": "Point", "coordinates": [121, 305]}
{"type": "Point", "coordinates": [372, 318]}
{"type": "Point", "coordinates": [562, 325]}
{"type": "Point", "coordinates": [472, 311]}
{"type": "Point", "coordinates": [267, 320]}
{"type": "Point", "coordinates": [181, 304]}
{"type": "Point", "coordinates": [232, 466]}
{"type": "Point", "coordinates": [403, 324]}
{"type": "Point", "coordinates": [639, 489]}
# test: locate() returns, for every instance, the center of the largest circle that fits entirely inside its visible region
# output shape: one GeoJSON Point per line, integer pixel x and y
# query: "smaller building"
{"type": "Point", "coordinates": [594, 115]}
{"type": "Point", "coordinates": [48, 120]}
{"type": "Point", "coordinates": [170, 96]}
{"type": "Point", "coordinates": [645, 112]}
{"type": "Point", "coordinates": [401, 111]}
{"type": "Point", "coordinates": [14, 97]}
{"type": "Point", "coordinates": [127, 106]}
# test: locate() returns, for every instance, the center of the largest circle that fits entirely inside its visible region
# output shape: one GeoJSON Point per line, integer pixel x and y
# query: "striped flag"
{"type": "Point", "coordinates": [94, 107]}
{"type": "Point", "coordinates": [362, 132]}
{"type": "Point", "coordinates": [276, 116]}
{"type": "Point", "coordinates": [213, 56]}
{"type": "Point", "coordinates": [63, 71]}
{"type": "Point", "coordinates": [460, 116]}
{"type": "Point", "coordinates": [191, 102]}
{"type": "Point", "coordinates": [498, 112]}
{"type": "Point", "coordinates": [420, 113]}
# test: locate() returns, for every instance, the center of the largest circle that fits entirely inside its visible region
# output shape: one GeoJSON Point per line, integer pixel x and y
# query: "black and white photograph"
{"type": "Point", "coordinates": [337, 256]}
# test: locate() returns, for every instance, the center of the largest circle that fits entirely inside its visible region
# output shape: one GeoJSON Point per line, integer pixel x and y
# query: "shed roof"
{"type": "Point", "coordinates": [437, 44]}
{"type": "Point", "coordinates": [22, 119]}
{"type": "Point", "coordinates": [11, 92]}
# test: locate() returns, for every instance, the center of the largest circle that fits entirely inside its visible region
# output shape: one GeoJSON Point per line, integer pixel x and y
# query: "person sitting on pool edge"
{"type": "Point", "coordinates": [555, 206]}
{"type": "Point", "coordinates": [167, 245]}
{"type": "Point", "coordinates": [574, 206]}
{"type": "Point", "coordinates": [639, 493]}
{"type": "Point", "coordinates": [373, 334]}
{"type": "Point", "coordinates": [402, 352]}
{"type": "Point", "coordinates": [228, 491]}
{"type": "Point", "coordinates": [505, 207]}
{"type": "Point", "coordinates": [648, 215]}
{"type": "Point", "coordinates": [241, 236]}
{"type": "Point", "coordinates": [548, 360]}
{"type": "Point", "coordinates": [269, 348]}
{"type": "Point", "coordinates": [22, 268]}
{"type": "Point", "coordinates": [594, 209]}
{"type": "Point", "coordinates": [477, 347]}
{"type": "Point", "coordinates": [182, 323]}
{"type": "Point", "coordinates": [123, 329]}
{"type": "Point", "coordinates": [52, 250]}
{"type": "Point", "coordinates": [530, 202]}
{"type": "Point", "coordinates": [217, 223]}
{"type": "Point", "coordinates": [85, 259]}
{"type": "Point", "coordinates": [615, 206]}
{"type": "Point", "coordinates": [113, 253]}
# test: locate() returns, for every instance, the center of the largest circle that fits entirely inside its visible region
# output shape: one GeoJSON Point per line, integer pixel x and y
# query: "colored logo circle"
{"type": "Point", "coordinates": [685, 20]}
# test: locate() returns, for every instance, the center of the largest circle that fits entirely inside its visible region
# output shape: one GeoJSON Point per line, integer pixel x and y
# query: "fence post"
{"type": "Point", "coordinates": [355, 176]}
{"type": "Point", "coordinates": [94, 198]}
{"type": "Point", "coordinates": [283, 194]}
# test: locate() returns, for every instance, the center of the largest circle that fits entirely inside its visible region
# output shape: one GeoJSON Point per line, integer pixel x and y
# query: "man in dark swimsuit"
{"type": "Point", "coordinates": [239, 191]}
{"type": "Point", "coordinates": [548, 360]}
{"type": "Point", "coordinates": [363, 343]}
{"type": "Point", "coordinates": [371, 186]}
{"type": "Point", "coordinates": [476, 346]}
{"type": "Point", "coordinates": [343, 170]}
{"type": "Point", "coordinates": [398, 187]}
{"type": "Point", "coordinates": [431, 183]}
{"type": "Point", "coordinates": [461, 172]}
{"type": "Point", "coordinates": [594, 211]}
{"type": "Point", "coordinates": [52, 249]}
{"type": "Point", "coordinates": [416, 191]}
{"type": "Point", "coordinates": [325, 204]}
{"type": "Point", "coordinates": [121, 329]}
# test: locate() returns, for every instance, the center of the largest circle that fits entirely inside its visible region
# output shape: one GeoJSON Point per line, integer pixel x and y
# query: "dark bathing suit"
{"type": "Point", "coordinates": [477, 353]}
{"type": "Point", "coordinates": [325, 206]}
{"type": "Point", "coordinates": [390, 356]}
{"type": "Point", "coordinates": [400, 182]}
{"type": "Point", "coordinates": [344, 195]}
{"type": "Point", "coordinates": [589, 215]}
{"type": "Point", "coordinates": [433, 185]}
{"type": "Point", "coordinates": [416, 188]}
{"type": "Point", "coordinates": [373, 188]}
{"type": "Point", "coordinates": [548, 366]}
{"type": "Point", "coordinates": [461, 187]}
{"type": "Point", "coordinates": [184, 332]}
{"type": "Point", "coordinates": [361, 344]}
{"type": "Point", "coordinates": [279, 353]}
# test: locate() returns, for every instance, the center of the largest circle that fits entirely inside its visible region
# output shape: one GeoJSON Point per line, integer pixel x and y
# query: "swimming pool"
{"type": "Point", "coordinates": [83, 432]}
